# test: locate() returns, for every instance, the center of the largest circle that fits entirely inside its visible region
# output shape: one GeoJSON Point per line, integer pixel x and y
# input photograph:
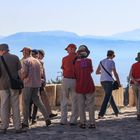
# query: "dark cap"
{"type": "Point", "coordinates": [41, 52]}
{"type": "Point", "coordinates": [71, 46]}
{"type": "Point", "coordinates": [4, 47]}
{"type": "Point", "coordinates": [110, 53]}
{"type": "Point", "coordinates": [34, 52]}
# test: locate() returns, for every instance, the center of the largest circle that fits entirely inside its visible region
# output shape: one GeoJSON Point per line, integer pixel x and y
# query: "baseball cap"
{"type": "Point", "coordinates": [26, 49]}
{"type": "Point", "coordinates": [71, 46]}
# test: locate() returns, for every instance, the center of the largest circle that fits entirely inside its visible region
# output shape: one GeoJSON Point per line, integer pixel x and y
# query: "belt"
{"type": "Point", "coordinates": [69, 77]}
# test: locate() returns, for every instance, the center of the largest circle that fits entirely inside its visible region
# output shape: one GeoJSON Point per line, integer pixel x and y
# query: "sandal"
{"type": "Point", "coordinates": [92, 126]}
{"type": "Point", "coordinates": [83, 126]}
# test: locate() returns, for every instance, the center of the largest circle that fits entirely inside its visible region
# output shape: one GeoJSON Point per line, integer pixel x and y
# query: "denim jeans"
{"type": "Point", "coordinates": [33, 111]}
{"type": "Point", "coordinates": [107, 86]}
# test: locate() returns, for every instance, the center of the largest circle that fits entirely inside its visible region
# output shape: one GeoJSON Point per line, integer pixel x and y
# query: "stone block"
{"type": "Point", "coordinates": [51, 92]}
{"type": "Point", "coordinates": [54, 92]}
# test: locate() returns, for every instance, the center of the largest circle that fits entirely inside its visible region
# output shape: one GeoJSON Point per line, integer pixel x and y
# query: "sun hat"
{"type": "Point", "coordinates": [83, 51]}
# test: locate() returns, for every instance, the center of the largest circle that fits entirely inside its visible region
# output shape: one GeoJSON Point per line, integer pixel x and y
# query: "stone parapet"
{"type": "Point", "coordinates": [54, 91]}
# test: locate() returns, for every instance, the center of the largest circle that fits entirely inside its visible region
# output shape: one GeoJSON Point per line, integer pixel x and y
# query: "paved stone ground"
{"type": "Point", "coordinates": [123, 127]}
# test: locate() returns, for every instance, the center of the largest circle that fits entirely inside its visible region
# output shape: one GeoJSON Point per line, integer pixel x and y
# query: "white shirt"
{"type": "Point", "coordinates": [109, 65]}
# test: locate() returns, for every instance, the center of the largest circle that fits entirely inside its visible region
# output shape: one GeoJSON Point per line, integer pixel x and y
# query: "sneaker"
{"type": "Point", "coordinates": [52, 115]}
{"type": "Point", "coordinates": [63, 123]}
{"type": "Point", "coordinates": [83, 126]}
{"type": "Point", "coordinates": [92, 126]}
{"type": "Point", "coordinates": [48, 122]}
{"type": "Point", "coordinates": [33, 122]}
{"type": "Point", "coordinates": [20, 131]}
{"type": "Point", "coordinates": [24, 125]}
{"type": "Point", "coordinates": [73, 124]}
{"type": "Point", "coordinates": [3, 131]}
{"type": "Point", "coordinates": [100, 117]}
{"type": "Point", "coordinates": [138, 117]}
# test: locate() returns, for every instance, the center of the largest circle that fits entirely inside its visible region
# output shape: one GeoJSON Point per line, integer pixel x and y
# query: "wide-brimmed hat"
{"type": "Point", "coordinates": [71, 46]}
{"type": "Point", "coordinates": [83, 51]}
{"type": "Point", "coordinates": [138, 57]}
{"type": "Point", "coordinates": [4, 47]}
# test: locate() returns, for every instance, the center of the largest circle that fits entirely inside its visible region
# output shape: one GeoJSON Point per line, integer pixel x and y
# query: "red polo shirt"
{"type": "Point", "coordinates": [67, 65]}
{"type": "Point", "coordinates": [136, 70]}
{"type": "Point", "coordinates": [84, 82]}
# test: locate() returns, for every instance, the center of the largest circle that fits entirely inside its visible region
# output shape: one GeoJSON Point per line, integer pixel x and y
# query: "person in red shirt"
{"type": "Point", "coordinates": [84, 86]}
{"type": "Point", "coordinates": [68, 86]}
{"type": "Point", "coordinates": [135, 82]}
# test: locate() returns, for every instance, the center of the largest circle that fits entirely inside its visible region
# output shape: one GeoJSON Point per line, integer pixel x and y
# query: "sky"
{"type": "Point", "coordinates": [84, 17]}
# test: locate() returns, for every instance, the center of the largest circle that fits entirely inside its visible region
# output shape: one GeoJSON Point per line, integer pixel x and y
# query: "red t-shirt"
{"type": "Point", "coordinates": [67, 65]}
{"type": "Point", "coordinates": [84, 82]}
{"type": "Point", "coordinates": [136, 70]}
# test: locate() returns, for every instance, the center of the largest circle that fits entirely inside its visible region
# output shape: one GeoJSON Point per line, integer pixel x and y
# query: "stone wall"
{"type": "Point", "coordinates": [54, 92]}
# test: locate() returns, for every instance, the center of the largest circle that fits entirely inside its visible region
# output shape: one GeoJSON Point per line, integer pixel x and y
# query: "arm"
{"type": "Point", "coordinates": [24, 71]}
{"type": "Point", "coordinates": [116, 76]}
{"type": "Point", "coordinates": [132, 78]}
{"type": "Point", "coordinates": [98, 71]}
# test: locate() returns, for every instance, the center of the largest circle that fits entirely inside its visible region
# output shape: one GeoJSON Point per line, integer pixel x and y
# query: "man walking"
{"type": "Point", "coordinates": [107, 81]}
{"type": "Point", "coordinates": [31, 75]}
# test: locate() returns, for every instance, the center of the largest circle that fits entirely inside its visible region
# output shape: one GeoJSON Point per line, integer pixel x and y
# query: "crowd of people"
{"type": "Point", "coordinates": [77, 83]}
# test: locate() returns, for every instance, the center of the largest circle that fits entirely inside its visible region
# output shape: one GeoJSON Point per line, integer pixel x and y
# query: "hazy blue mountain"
{"type": "Point", "coordinates": [130, 35]}
{"type": "Point", "coordinates": [55, 42]}
{"type": "Point", "coordinates": [1, 37]}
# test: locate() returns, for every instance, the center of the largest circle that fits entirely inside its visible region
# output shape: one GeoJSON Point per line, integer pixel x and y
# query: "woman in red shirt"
{"type": "Point", "coordinates": [84, 86]}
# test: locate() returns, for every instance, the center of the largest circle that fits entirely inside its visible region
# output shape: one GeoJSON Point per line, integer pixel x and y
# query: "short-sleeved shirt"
{"type": "Point", "coordinates": [109, 65]}
{"type": "Point", "coordinates": [14, 65]}
{"type": "Point", "coordinates": [135, 69]}
{"type": "Point", "coordinates": [67, 65]}
{"type": "Point", "coordinates": [31, 67]}
{"type": "Point", "coordinates": [84, 82]}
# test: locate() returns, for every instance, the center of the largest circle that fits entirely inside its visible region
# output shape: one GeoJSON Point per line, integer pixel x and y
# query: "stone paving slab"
{"type": "Point", "coordinates": [123, 127]}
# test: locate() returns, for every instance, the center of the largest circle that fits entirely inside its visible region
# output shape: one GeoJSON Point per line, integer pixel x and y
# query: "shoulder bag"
{"type": "Point", "coordinates": [16, 83]}
{"type": "Point", "coordinates": [115, 84]}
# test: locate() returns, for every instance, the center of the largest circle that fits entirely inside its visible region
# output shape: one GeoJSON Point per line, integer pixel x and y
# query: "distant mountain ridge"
{"type": "Point", "coordinates": [129, 35]}
{"type": "Point", "coordinates": [133, 35]}
{"type": "Point", "coordinates": [55, 42]}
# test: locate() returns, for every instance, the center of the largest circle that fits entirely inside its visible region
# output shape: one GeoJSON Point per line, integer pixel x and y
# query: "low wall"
{"type": "Point", "coordinates": [132, 97]}
{"type": "Point", "coordinates": [54, 92]}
